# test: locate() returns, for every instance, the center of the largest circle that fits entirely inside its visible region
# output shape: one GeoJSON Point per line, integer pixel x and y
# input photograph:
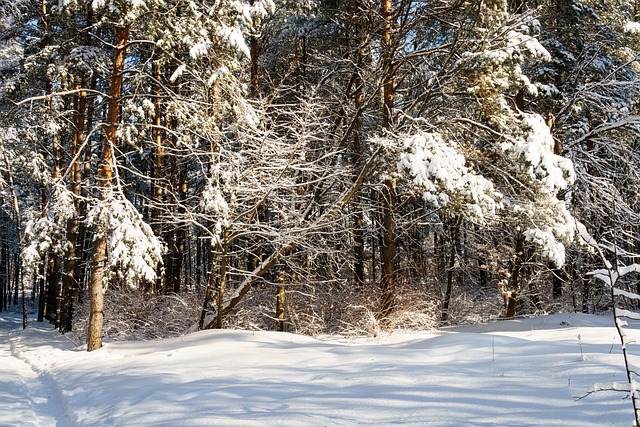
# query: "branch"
{"type": "Point", "coordinates": [277, 255]}
{"type": "Point", "coordinates": [613, 386]}
{"type": "Point", "coordinates": [59, 94]}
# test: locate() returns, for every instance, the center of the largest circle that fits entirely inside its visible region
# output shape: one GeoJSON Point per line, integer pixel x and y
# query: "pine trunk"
{"type": "Point", "coordinates": [455, 237]}
{"type": "Point", "coordinates": [280, 301]}
{"type": "Point", "coordinates": [222, 287]}
{"type": "Point", "coordinates": [180, 233]}
{"type": "Point", "coordinates": [83, 232]}
{"type": "Point", "coordinates": [357, 157]}
{"type": "Point", "coordinates": [255, 255]}
{"type": "Point", "coordinates": [70, 283]}
{"type": "Point", "coordinates": [388, 252]}
{"type": "Point", "coordinates": [103, 181]}
{"type": "Point", "coordinates": [3, 267]}
{"type": "Point", "coordinates": [514, 286]}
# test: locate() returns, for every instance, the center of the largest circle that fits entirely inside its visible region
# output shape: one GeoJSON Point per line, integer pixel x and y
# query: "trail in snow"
{"type": "Point", "coordinates": [27, 397]}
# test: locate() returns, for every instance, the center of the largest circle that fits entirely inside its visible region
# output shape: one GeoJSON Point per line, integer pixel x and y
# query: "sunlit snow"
{"type": "Point", "coordinates": [524, 372]}
{"type": "Point", "coordinates": [632, 27]}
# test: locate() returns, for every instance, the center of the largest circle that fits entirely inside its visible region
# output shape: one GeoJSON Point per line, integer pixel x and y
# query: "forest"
{"type": "Point", "coordinates": [314, 166]}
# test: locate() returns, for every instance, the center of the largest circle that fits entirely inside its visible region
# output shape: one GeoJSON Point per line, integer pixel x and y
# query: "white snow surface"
{"type": "Point", "coordinates": [524, 372]}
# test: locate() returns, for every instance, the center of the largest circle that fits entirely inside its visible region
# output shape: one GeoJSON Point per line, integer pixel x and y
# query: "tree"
{"type": "Point", "coordinates": [405, 159]}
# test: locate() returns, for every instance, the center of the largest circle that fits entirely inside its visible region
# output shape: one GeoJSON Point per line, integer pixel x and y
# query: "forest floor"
{"type": "Point", "coordinates": [525, 372]}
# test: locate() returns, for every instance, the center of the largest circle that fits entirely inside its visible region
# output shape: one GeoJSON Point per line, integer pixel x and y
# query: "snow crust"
{"type": "Point", "coordinates": [525, 372]}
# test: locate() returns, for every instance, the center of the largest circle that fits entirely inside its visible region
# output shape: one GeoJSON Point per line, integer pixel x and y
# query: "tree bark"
{"type": "Point", "coordinates": [455, 236]}
{"type": "Point", "coordinates": [358, 150]}
{"type": "Point", "coordinates": [53, 277]}
{"type": "Point", "coordinates": [280, 301]}
{"type": "Point", "coordinates": [70, 283]}
{"type": "Point", "coordinates": [83, 232]}
{"type": "Point", "coordinates": [103, 181]}
{"type": "Point", "coordinates": [255, 50]}
{"type": "Point", "coordinates": [4, 253]}
{"type": "Point", "coordinates": [180, 232]}
{"type": "Point", "coordinates": [388, 69]}
{"type": "Point", "coordinates": [223, 283]}
{"type": "Point", "coordinates": [388, 252]}
{"type": "Point", "coordinates": [513, 292]}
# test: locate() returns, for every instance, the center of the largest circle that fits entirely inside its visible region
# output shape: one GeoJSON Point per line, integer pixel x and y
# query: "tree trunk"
{"type": "Point", "coordinates": [53, 280]}
{"type": "Point", "coordinates": [70, 284]}
{"type": "Point", "coordinates": [280, 301]}
{"type": "Point", "coordinates": [559, 277]}
{"type": "Point", "coordinates": [455, 236]}
{"type": "Point", "coordinates": [358, 150]}
{"type": "Point", "coordinates": [511, 294]}
{"type": "Point", "coordinates": [255, 50]}
{"type": "Point", "coordinates": [388, 78]}
{"type": "Point", "coordinates": [3, 266]}
{"type": "Point", "coordinates": [96, 295]}
{"type": "Point", "coordinates": [171, 277]}
{"type": "Point", "coordinates": [103, 181]}
{"type": "Point", "coordinates": [255, 256]}
{"type": "Point", "coordinates": [208, 295]}
{"type": "Point", "coordinates": [83, 232]}
{"type": "Point", "coordinates": [586, 288]}
{"type": "Point", "coordinates": [41, 293]}
{"type": "Point", "coordinates": [16, 277]}
{"type": "Point", "coordinates": [180, 232]}
{"type": "Point", "coordinates": [158, 185]}
{"type": "Point", "coordinates": [223, 282]}
{"type": "Point", "coordinates": [511, 305]}
{"type": "Point", "coordinates": [53, 275]}
{"type": "Point", "coordinates": [388, 252]}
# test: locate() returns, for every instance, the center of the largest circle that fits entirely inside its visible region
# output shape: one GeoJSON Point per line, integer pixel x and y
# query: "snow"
{"type": "Point", "coordinates": [536, 148]}
{"type": "Point", "coordinates": [552, 249]}
{"type": "Point", "coordinates": [440, 170]}
{"type": "Point", "coordinates": [234, 38]}
{"type": "Point", "coordinates": [523, 372]}
{"type": "Point", "coordinates": [199, 50]}
{"type": "Point", "coordinates": [632, 27]}
{"type": "Point", "coordinates": [134, 250]}
{"type": "Point", "coordinates": [178, 72]}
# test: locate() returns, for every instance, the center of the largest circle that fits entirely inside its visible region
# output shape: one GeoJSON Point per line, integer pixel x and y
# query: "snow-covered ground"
{"type": "Point", "coordinates": [512, 373]}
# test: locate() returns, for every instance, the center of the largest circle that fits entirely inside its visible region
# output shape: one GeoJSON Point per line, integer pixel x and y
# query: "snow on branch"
{"type": "Point", "coordinates": [628, 314]}
{"type": "Point", "coordinates": [58, 95]}
{"type": "Point", "coordinates": [632, 27]}
{"type": "Point", "coordinates": [134, 251]}
{"type": "Point", "coordinates": [626, 294]}
{"type": "Point", "coordinates": [440, 170]}
{"type": "Point", "coordinates": [598, 387]}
